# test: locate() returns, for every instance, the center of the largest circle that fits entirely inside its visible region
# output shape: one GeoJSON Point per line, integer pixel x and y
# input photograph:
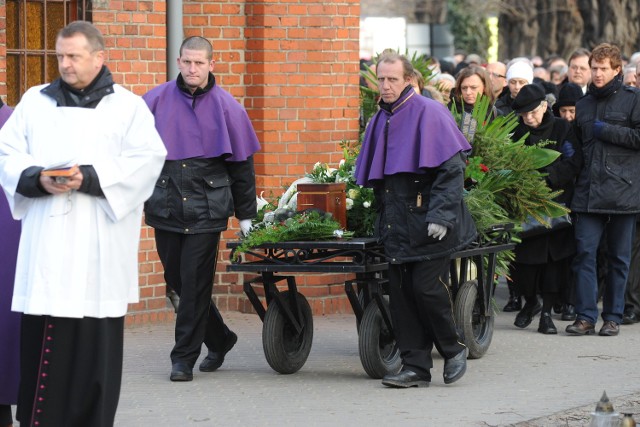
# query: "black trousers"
{"type": "Point", "coordinates": [6, 418]}
{"type": "Point", "coordinates": [422, 313]}
{"type": "Point", "coordinates": [70, 371]}
{"type": "Point", "coordinates": [189, 262]}
{"type": "Point", "coordinates": [531, 279]}
{"type": "Point", "coordinates": [632, 293]}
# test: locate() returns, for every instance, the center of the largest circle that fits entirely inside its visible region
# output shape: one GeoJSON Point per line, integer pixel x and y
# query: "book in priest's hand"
{"type": "Point", "coordinates": [60, 173]}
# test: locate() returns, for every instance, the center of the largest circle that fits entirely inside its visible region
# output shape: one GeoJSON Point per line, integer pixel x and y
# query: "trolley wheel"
{"type": "Point", "coordinates": [285, 349]}
{"type": "Point", "coordinates": [379, 352]}
{"type": "Point", "coordinates": [477, 329]}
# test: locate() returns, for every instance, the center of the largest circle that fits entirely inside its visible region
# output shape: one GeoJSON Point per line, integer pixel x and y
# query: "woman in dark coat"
{"type": "Point", "coordinates": [9, 321]}
{"type": "Point", "coordinates": [542, 262]}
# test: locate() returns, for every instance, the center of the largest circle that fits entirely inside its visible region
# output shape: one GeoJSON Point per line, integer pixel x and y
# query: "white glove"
{"type": "Point", "coordinates": [245, 226]}
{"type": "Point", "coordinates": [437, 231]}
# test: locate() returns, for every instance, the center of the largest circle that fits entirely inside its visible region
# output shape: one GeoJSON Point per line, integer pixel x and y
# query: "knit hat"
{"type": "Point", "coordinates": [568, 96]}
{"type": "Point", "coordinates": [520, 70]}
{"type": "Point", "coordinates": [528, 99]}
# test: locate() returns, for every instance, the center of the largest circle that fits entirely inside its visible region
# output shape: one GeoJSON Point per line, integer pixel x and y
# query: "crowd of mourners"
{"type": "Point", "coordinates": [586, 106]}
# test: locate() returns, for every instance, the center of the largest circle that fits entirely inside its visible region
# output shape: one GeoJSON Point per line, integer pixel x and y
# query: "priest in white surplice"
{"type": "Point", "coordinates": [77, 265]}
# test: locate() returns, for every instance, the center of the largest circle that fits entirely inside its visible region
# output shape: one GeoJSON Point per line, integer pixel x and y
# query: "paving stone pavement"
{"type": "Point", "coordinates": [524, 379]}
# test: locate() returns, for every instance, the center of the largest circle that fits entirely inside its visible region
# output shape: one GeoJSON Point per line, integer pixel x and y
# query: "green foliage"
{"type": "Point", "coordinates": [469, 26]}
{"type": "Point", "coordinates": [510, 187]}
{"type": "Point", "coordinates": [300, 226]}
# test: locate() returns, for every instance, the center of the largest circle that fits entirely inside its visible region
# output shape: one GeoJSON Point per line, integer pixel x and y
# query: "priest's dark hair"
{"type": "Point", "coordinates": [390, 56]}
{"type": "Point", "coordinates": [197, 43]}
{"type": "Point", "coordinates": [87, 29]}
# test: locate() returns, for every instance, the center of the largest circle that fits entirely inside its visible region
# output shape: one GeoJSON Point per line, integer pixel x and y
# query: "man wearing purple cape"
{"type": "Point", "coordinates": [9, 321]}
{"type": "Point", "coordinates": [413, 155]}
{"type": "Point", "coordinates": [208, 176]}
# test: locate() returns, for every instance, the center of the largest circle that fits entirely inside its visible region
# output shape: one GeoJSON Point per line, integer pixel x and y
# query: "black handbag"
{"type": "Point", "coordinates": [532, 227]}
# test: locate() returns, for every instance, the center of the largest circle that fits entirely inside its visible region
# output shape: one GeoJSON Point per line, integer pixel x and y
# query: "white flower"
{"type": "Point", "coordinates": [353, 193]}
{"type": "Point", "coordinates": [317, 165]}
{"type": "Point", "coordinates": [349, 204]}
{"type": "Point", "coordinates": [341, 163]}
{"type": "Point", "coordinates": [366, 204]}
{"type": "Point", "coordinates": [338, 233]}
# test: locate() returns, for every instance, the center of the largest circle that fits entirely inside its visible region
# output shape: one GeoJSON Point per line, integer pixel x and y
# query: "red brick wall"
{"type": "Point", "coordinates": [293, 64]}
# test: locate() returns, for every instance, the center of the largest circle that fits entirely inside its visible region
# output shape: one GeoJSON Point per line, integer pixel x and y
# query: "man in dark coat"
{"type": "Point", "coordinates": [607, 192]}
{"type": "Point", "coordinates": [413, 157]}
{"type": "Point", "coordinates": [208, 176]}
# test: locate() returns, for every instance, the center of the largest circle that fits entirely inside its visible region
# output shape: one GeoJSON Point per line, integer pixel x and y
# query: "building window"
{"type": "Point", "coordinates": [32, 26]}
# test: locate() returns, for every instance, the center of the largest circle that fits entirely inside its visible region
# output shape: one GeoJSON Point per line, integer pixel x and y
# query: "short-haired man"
{"type": "Point", "coordinates": [579, 71]}
{"type": "Point", "coordinates": [498, 75]}
{"type": "Point", "coordinates": [208, 176]}
{"type": "Point", "coordinates": [77, 265]}
{"type": "Point", "coordinates": [606, 200]}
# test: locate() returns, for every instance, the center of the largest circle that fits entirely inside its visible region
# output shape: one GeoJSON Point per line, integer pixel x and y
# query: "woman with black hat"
{"type": "Point", "coordinates": [565, 106]}
{"type": "Point", "coordinates": [542, 261]}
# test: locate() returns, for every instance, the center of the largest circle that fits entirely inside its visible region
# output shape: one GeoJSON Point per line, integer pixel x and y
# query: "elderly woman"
{"type": "Point", "coordinates": [472, 82]}
{"type": "Point", "coordinates": [542, 263]}
{"type": "Point", "coordinates": [519, 74]}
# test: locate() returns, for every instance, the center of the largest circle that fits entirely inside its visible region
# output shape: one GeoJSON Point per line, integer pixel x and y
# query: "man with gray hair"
{"type": "Point", "coordinates": [78, 158]}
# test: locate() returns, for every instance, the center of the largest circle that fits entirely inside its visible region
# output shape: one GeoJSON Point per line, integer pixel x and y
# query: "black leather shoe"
{"type": "Point", "coordinates": [180, 371]}
{"type": "Point", "coordinates": [568, 312]}
{"type": "Point", "coordinates": [546, 325]}
{"type": "Point", "coordinates": [513, 304]}
{"type": "Point", "coordinates": [581, 327]}
{"type": "Point", "coordinates": [455, 367]}
{"type": "Point", "coordinates": [557, 308]}
{"type": "Point", "coordinates": [215, 359]}
{"type": "Point", "coordinates": [404, 379]}
{"type": "Point", "coordinates": [629, 318]}
{"type": "Point", "coordinates": [525, 316]}
{"type": "Point", "coordinates": [609, 329]}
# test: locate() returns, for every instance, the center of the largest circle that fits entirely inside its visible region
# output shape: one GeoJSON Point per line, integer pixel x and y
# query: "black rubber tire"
{"type": "Point", "coordinates": [476, 328]}
{"type": "Point", "coordinates": [379, 352]}
{"type": "Point", "coordinates": [286, 351]}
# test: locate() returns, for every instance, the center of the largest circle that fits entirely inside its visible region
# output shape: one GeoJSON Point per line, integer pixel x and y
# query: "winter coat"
{"type": "Point", "coordinates": [408, 202]}
{"type": "Point", "coordinates": [199, 195]}
{"type": "Point", "coordinates": [609, 182]}
{"type": "Point", "coordinates": [557, 244]}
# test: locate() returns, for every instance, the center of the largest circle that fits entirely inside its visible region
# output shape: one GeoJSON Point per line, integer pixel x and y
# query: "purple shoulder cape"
{"type": "Point", "coordinates": [421, 134]}
{"type": "Point", "coordinates": [9, 321]}
{"type": "Point", "coordinates": [214, 125]}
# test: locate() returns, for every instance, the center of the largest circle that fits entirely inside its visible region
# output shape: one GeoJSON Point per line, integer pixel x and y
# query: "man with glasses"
{"type": "Point", "coordinates": [579, 72]}
{"type": "Point", "coordinates": [498, 76]}
{"type": "Point", "coordinates": [607, 192]}
{"type": "Point", "coordinates": [77, 267]}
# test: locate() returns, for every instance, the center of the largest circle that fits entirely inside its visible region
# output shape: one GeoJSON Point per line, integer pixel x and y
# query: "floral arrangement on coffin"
{"type": "Point", "coordinates": [281, 222]}
{"type": "Point", "coordinates": [503, 183]}
{"type": "Point", "coordinates": [361, 213]}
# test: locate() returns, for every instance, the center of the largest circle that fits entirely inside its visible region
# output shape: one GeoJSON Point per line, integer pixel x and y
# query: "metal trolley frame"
{"type": "Point", "coordinates": [287, 332]}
